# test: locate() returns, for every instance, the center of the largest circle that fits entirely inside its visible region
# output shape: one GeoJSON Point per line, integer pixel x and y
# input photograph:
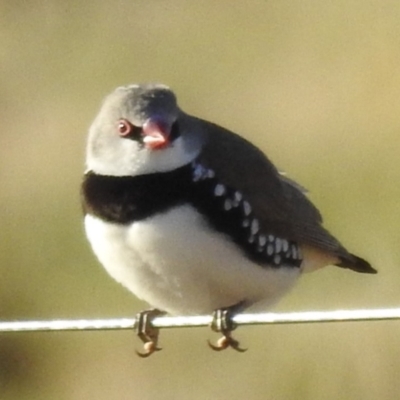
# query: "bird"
{"type": "Point", "coordinates": [193, 218]}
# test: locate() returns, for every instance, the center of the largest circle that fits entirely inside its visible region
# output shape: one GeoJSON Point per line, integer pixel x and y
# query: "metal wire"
{"type": "Point", "coordinates": [203, 320]}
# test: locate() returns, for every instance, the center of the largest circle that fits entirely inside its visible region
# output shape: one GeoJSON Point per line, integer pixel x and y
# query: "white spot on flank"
{"type": "Point", "coordinates": [219, 190]}
{"type": "Point", "coordinates": [227, 205]}
{"type": "Point", "coordinates": [246, 208]}
{"type": "Point", "coordinates": [210, 173]}
{"type": "Point", "coordinates": [271, 238]}
{"type": "Point", "coordinates": [262, 240]}
{"type": "Point", "coordinates": [198, 172]}
{"type": "Point", "coordinates": [255, 226]}
{"type": "Point", "coordinates": [245, 223]}
{"type": "Point", "coordinates": [237, 198]}
{"type": "Point", "coordinates": [278, 245]}
{"type": "Point", "coordinates": [277, 259]}
{"type": "Point", "coordinates": [270, 249]}
{"type": "Point", "coordinates": [285, 245]}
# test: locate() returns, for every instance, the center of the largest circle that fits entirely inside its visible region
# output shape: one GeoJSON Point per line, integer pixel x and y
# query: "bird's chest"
{"type": "Point", "coordinates": [184, 242]}
{"type": "Point", "coordinates": [171, 258]}
{"type": "Point", "coordinates": [137, 200]}
{"type": "Point", "coordinates": [176, 263]}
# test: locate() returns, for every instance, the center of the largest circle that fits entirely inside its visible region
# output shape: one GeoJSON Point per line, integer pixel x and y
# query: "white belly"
{"type": "Point", "coordinates": [177, 264]}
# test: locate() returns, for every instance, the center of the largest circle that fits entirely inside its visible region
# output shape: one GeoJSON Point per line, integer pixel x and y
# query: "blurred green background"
{"type": "Point", "coordinates": [315, 84]}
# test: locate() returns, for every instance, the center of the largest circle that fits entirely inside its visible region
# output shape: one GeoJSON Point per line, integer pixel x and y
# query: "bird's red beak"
{"type": "Point", "coordinates": [156, 134]}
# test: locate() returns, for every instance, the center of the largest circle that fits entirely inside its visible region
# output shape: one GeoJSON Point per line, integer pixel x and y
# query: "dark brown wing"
{"type": "Point", "coordinates": [279, 203]}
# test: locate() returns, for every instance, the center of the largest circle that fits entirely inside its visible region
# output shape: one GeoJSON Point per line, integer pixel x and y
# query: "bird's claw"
{"type": "Point", "coordinates": [149, 348]}
{"type": "Point", "coordinates": [147, 333]}
{"type": "Point", "coordinates": [222, 323]}
{"type": "Point", "coordinates": [226, 341]}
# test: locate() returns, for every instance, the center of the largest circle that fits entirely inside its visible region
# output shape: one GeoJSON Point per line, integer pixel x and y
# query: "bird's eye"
{"type": "Point", "coordinates": [125, 128]}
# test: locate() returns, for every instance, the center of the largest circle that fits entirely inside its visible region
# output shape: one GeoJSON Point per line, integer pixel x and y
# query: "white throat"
{"type": "Point", "coordinates": [134, 161]}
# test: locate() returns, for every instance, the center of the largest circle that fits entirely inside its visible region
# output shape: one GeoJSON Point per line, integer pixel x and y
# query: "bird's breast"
{"type": "Point", "coordinates": [177, 263]}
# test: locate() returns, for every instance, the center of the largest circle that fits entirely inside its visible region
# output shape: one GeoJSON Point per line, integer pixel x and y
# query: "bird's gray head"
{"type": "Point", "coordinates": [139, 130]}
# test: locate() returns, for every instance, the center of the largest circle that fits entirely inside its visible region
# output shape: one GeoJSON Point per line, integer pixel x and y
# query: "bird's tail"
{"type": "Point", "coordinates": [357, 264]}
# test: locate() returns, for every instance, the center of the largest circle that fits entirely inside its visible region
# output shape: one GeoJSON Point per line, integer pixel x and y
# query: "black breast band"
{"type": "Point", "coordinates": [128, 199]}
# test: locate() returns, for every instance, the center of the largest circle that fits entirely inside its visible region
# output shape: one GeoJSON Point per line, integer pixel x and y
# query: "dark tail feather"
{"type": "Point", "coordinates": [357, 264]}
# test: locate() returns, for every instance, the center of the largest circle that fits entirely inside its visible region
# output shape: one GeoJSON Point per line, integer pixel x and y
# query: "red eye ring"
{"type": "Point", "coordinates": [124, 127]}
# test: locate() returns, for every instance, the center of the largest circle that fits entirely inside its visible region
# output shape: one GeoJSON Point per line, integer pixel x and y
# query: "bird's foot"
{"type": "Point", "coordinates": [147, 333]}
{"type": "Point", "coordinates": [222, 322]}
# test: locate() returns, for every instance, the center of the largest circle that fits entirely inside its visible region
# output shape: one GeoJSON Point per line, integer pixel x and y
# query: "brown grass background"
{"type": "Point", "coordinates": [315, 84]}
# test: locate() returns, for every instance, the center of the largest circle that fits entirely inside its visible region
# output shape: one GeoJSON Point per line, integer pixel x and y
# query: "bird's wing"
{"type": "Point", "coordinates": [278, 202]}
